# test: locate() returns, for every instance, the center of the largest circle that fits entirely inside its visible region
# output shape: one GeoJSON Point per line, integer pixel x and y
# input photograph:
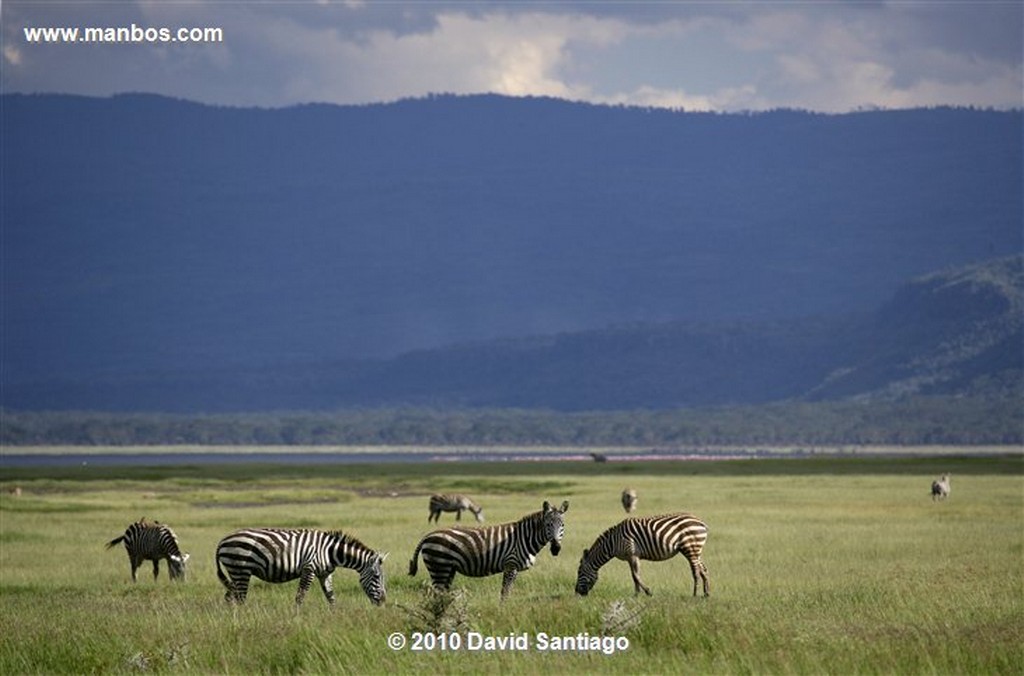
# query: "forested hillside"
{"type": "Point", "coordinates": [951, 334]}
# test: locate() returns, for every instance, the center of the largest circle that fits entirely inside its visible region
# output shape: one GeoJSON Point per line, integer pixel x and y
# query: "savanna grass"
{"type": "Point", "coordinates": [812, 571]}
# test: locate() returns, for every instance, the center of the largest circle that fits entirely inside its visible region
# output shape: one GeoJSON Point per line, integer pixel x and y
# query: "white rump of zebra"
{"type": "Point", "coordinates": [453, 503]}
{"type": "Point", "coordinates": [651, 538]}
{"type": "Point", "coordinates": [281, 555]}
{"type": "Point", "coordinates": [941, 488]}
{"type": "Point", "coordinates": [152, 541]}
{"type": "Point", "coordinates": [629, 500]}
{"type": "Point", "coordinates": [506, 548]}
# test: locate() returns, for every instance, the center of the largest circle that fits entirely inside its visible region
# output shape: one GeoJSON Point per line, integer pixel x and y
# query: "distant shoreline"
{"type": "Point", "coordinates": [469, 450]}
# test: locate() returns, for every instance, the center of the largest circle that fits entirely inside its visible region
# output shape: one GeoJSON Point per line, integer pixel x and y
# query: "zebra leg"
{"type": "Point", "coordinates": [327, 585]}
{"type": "Point", "coordinates": [507, 579]}
{"type": "Point", "coordinates": [700, 574]}
{"type": "Point", "coordinates": [305, 582]}
{"type": "Point", "coordinates": [156, 569]}
{"type": "Point", "coordinates": [442, 577]}
{"type": "Point", "coordinates": [238, 590]}
{"type": "Point", "coordinates": [458, 515]}
{"type": "Point", "coordinates": [135, 563]}
{"type": "Point", "coordinates": [634, 569]}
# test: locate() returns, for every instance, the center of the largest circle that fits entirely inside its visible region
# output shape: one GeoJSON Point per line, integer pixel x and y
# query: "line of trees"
{"type": "Point", "coordinates": [911, 421]}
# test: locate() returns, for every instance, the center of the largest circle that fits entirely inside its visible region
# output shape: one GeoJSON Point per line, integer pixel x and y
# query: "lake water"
{"type": "Point", "coordinates": [12, 460]}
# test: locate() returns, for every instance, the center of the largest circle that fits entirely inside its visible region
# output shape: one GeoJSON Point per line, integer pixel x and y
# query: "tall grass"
{"type": "Point", "coordinates": [812, 572]}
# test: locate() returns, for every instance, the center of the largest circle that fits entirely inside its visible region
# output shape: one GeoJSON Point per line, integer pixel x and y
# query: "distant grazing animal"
{"type": "Point", "coordinates": [479, 552]}
{"type": "Point", "coordinates": [281, 555]}
{"type": "Point", "coordinates": [629, 500]}
{"type": "Point", "coordinates": [147, 541]}
{"type": "Point", "coordinates": [453, 503]}
{"type": "Point", "coordinates": [599, 457]}
{"type": "Point", "coordinates": [941, 488]}
{"type": "Point", "coordinates": [652, 538]}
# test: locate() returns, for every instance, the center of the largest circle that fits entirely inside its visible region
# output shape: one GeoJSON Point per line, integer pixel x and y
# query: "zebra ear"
{"type": "Point", "coordinates": [586, 552]}
{"type": "Point", "coordinates": [383, 556]}
{"type": "Point", "coordinates": [185, 556]}
{"type": "Point", "coordinates": [547, 506]}
{"type": "Point", "coordinates": [565, 507]}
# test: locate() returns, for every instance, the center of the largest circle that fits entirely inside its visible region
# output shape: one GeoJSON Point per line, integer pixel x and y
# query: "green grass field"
{"type": "Point", "coordinates": [817, 566]}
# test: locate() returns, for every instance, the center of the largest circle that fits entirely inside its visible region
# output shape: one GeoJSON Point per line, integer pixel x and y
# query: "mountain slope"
{"type": "Point", "coordinates": [944, 333]}
{"type": "Point", "coordinates": [952, 333]}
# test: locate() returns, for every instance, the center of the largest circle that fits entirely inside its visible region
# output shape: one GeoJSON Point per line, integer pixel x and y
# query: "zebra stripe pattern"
{"type": "Point", "coordinates": [629, 500]}
{"type": "Point", "coordinates": [155, 541]}
{"type": "Point", "coordinates": [941, 488]}
{"type": "Point", "coordinates": [453, 503]}
{"type": "Point", "coordinates": [281, 555]}
{"type": "Point", "coordinates": [506, 548]}
{"type": "Point", "coordinates": [653, 538]}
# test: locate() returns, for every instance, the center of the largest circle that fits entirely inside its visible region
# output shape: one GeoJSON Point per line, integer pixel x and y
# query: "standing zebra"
{"type": "Point", "coordinates": [453, 503]}
{"type": "Point", "coordinates": [629, 500]}
{"type": "Point", "coordinates": [941, 488]}
{"type": "Point", "coordinates": [147, 541]}
{"type": "Point", "coordinates": [478, 552]}
{"type": "Point", "coordinates": [652, 538]}
{"type": "Point", "coordinates": [281, 555]}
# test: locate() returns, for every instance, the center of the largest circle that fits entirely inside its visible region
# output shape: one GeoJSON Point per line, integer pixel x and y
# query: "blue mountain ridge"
{"type": "Point", "coordinates": [146, 235]}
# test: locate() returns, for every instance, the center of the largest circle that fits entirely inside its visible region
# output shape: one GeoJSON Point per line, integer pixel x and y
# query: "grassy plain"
{"type": "Point", "coordinates": [819, 565]}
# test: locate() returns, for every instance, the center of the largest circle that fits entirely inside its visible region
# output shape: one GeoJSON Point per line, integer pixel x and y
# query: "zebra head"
{"type": "Point", "coordinates": [553, 525]}
{"type": "Point", "coordinates": [586, 575]}
{"type": "Point", "coordinates": [371, 578]}
{"type": "Point", "coordinates": [176, 564]}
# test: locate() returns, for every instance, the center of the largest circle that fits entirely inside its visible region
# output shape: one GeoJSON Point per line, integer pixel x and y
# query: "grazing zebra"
{"type": "Point", "coordinates": [453, 503]}
{"type": "Point", "coordinates": [147, 541]}
{"type": "Point", "coordinates": [282, 555]}
{"type": "Point", "coordinates": [629, 500]}
{"type": "Point", "coordinates": [478, 552]}
{"type": "Point", "coordinates": [941, 488]}
{"type": "Point", "coordinates": [652, 538]}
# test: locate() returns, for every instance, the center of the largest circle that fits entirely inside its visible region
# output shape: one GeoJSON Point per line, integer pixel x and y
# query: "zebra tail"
{"type": "Point", "coordinates": [114, 542]}
{"type": "Point", "coordinates": [224, 578]}
{"type": "Point", "coordinates": [415, 558]}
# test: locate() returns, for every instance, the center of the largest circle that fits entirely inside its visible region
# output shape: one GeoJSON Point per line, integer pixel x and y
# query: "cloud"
{"type": "Point", "coordinates": [697, 56]}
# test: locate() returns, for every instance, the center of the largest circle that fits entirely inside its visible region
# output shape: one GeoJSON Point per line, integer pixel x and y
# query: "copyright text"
{"type": "Point", "coordinates": [515, 642]}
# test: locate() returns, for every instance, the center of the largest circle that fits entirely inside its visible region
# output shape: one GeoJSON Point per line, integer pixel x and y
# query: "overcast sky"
{"type": "Point", "coordinates": [724, 56]}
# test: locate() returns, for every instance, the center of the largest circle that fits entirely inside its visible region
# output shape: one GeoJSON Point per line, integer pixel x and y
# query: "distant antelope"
{"type": "Point", "coordinates": [941, 488]}
{"type": "Point", "coordinates": [629, 500]}
{"type": "Point", "coordinates": [453, 503]}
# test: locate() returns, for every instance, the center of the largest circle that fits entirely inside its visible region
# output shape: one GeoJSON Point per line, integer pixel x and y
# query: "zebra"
{"type": "Point", "coordinates": [941, 488]}
{"type": "Point", "coordinates": [453, 503]}
{"type": "Point", "coordinates": [281, 555]}
{"type": "Point", "coordinates": [478, 552]}
{"type": "Point", "coordinates": [652, 538]}
{"type": "Point", "coordinates": [629, 500]}
{"type": "Point", "coordinates": [147, 541]}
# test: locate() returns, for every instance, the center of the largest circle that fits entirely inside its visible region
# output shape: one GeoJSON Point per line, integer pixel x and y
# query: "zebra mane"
{"type": "Point", "coordinates": [537, 516]}
{"type": "Point", "coordinates": [346, 539]}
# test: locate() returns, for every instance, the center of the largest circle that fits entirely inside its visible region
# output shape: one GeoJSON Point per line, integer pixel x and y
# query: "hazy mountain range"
{"type": "Point", "coordinates": [472, 251]}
